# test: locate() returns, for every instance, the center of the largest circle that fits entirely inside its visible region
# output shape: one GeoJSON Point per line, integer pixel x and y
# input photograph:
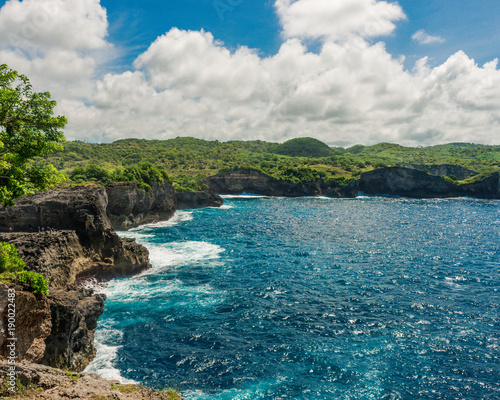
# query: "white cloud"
{"type": "Point", "coordinates": [423, 37]}
{"type": "Point", "coordinates": [189, 84]}
{"type": "Point", "coordinates": [40, 24]}
{"type": "Point", "coordinates": [337, 19]}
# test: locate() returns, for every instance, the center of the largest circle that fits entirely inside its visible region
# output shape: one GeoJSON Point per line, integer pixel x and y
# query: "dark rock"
{"type": "Point", "coordinates": [74, 316]}
{"type": "Point", "coordinates": [457, 171]}
{"type": "Point", "coordinates": [128, 206]}
{"type": "Point", "coordinates": [56, 330]}
{"type": "Point", "coordinates": [83, 239]}
{"type": "Point", "coordinates": [32, 324]}
{"type": "Point", "coordinates": [397, 181]}
{"type": "Point", "coordinates": [250, 181]}
{"type": "Point", "coordinates": [206, 198]}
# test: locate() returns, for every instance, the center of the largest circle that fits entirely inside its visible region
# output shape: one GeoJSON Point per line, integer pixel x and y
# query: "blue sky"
{"type": "Point", "coordinates": [342, 71]}
{"type": "Point", "coordinates": [472, 26]}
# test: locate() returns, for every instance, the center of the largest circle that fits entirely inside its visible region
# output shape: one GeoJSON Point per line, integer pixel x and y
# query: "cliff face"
{"type": "Point", "coordinates": [73, 316]}
{"type": "Point", "coordinates": [458, 172]}
{"type": "Point", "coordinates": [395, 181]}
{"type": "Point", "coordinates": [128, 206]}
{"type": "Point", "coordinates": [83, 241]}
{"type": "Point", "coordinates": [207, 198]}
{"type": "Point", "coordinates": [56, 330]}
{"type": "Point", "coordinates": [32, 324]}
{"type": "Point", "coordinates": [414, 183]}
{"type": "Point", "coordinates": [249, 181]}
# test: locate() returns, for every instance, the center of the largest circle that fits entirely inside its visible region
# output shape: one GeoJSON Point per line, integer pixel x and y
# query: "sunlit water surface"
{"type": "Point", "coordinates": [313, 298]}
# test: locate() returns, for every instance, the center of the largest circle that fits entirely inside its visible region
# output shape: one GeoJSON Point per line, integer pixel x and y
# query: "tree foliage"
{"type": "Point", "coordinates": [12, 269]}
{"type": "Point", "coordinates": [28, 129]}
{"type": "Point", "coordinates": [144, 173]}
{"type": "Point", "coordinates": [189, 160]}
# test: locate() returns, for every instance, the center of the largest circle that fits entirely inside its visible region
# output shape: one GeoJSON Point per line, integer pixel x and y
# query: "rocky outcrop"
{"type": "Point", "coordinates": [81, 240]}
{"type": "Point", "coordinates": [456, 171]}
{"type": "Point", "coordinates": [206, 198]}
{"type": "Point", "coordinates": [56, 330]}
{"type": "Point", "coordinates": [406, 182]}
{"type": "Point", "coordinates": [48, 383]}
{"type": "Point", "coordinates": [74, 315]}
{"type": "Point", "coordinates": [393, 181]}
{"type": "Point", "coordinates": [250, 181]}
{"type": "Point", "coordinates": [128, 206]}
{"type": "Point", "coordinates": [32, 324]}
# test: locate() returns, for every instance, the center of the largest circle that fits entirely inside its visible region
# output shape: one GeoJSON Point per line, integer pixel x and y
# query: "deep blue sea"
{"type": "Point", "coordinates": [313, 298]}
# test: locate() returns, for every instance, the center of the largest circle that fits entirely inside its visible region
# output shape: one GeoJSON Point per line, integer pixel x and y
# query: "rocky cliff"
{"type": "Point", "coordinates": [250, 181]}
{"type": "Point", "coordinates": [206, 198]}
{"type": "Point", "coordinates": [56, 330]}
{"type": "Point", "coordinates": [394, 181]}
{"type": "Point", "coordinates": [408, 182]}
{"type": "Point", "coordinates": [81, 240]}
{"type": "Point", "coordinates": [457, 171]}
{"type": "Point", "coordinates": [128, 206]}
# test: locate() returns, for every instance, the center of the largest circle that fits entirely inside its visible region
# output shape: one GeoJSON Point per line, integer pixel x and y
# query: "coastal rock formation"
{"type": "Point", "coordinates": [81, 240]}
{"type": "Point", "coordinates": [56, 330]}
{"type": "Point", "coordinates": [32, 324]}
{"type": "Point", "coordinates": [74, 315]}
{"type": "Point", "coordinates": [250, 181]}
{"type": "Point", "coordinates": [406, 182]}
{"type": "Point", "coordinates": [206, 198]}
{"type": "Point", "coordinates": [48, 383]}
{"type": "Point", "coordinates": [128, 206]}
{"type": "Point", "coordinates": [457, 171]}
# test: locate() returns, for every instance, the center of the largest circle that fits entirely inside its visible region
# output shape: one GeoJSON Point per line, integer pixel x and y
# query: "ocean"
{"type": "Point", "coordinates": [312, 298]}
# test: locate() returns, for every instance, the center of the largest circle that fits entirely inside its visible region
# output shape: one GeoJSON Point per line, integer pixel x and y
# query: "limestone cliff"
{"type": "Point", "coordinates": [394, 181]}
{"type": "Point", "coordinates": [80, 244]}
{"type": "Point", "coordinates": [408, 182]}
{"type": "Point", "coordinates": [206, 198]}
{"type": "Point", "coordinates": [56, 330]}
{"type": "Point", "coordinates": [81, 240]}
{"type": "Point", "coordinates": [250, 181]}
{"type": "Point", "coordinates": [128, 206]}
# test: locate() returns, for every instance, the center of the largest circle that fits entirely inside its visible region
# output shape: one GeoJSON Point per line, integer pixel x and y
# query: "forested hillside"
{"type": "Point", "coordinates": [188, 160]}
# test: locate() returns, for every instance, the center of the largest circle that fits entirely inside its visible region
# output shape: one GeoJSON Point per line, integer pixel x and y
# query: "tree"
{"type": "Point", "coordinates": [28, 129]}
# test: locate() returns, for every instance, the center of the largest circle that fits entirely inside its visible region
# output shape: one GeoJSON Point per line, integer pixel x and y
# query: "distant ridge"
{"type": "Point", "coordinates": [303, 147]}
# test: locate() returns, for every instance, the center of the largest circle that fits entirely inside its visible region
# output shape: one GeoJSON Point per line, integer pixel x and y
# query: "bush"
{"type": "Point", "coordinates": [12, 269]}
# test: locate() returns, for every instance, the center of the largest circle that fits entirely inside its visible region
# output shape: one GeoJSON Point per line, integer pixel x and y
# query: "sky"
{"type": "Point", "coordinates": [343, 71]}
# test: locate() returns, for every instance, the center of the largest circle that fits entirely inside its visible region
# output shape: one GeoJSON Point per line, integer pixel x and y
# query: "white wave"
{"type": "Point", "coordinates": [177, 254]}
{"type": "Point", "coordinates": [179, 217]}
{"type": "Point", "coordinates": [225, 207]}
{"type": "Point", "coordinates": [243, 196]}
{"type": "Point", "coordinates": [103, 363]}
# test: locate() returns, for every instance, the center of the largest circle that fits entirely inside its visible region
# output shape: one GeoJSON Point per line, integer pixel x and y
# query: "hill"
{"type": "Point", "coordinates": [303, 147]}
{"type": "Point", "coordinates": [188, 160]}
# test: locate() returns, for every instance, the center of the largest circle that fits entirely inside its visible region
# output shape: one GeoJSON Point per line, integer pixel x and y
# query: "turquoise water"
{"type": "Point", "coordinates": [313, 298]}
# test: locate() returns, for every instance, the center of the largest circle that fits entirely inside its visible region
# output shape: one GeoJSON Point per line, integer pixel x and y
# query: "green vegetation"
{"type": "Point", "coordinates": [72, 375]}
{"type": "Point", "coordinates": [172, 394]}
{"type": "Point", "coordinates": [12, 270]}
{"type": "Point", "coordinates": [124, 388]}
{"type": "Point", "coordinates": [28, 130]}
{"type": "Point", "coordinates": [188, 160]}
{"type": "Point", "coordinates": [144, 173]}
{"type": "Point", "coordinates": [303, 147]}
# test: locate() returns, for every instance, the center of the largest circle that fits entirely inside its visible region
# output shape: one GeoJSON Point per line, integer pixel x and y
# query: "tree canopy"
{"type": "Point", "coordinates": [28, 129]}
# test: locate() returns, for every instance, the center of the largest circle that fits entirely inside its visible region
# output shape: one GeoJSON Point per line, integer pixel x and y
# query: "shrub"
{"type": "Point", "coordinates": [12, 269]}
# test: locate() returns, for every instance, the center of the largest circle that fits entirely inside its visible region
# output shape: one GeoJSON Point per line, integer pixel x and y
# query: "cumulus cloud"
{"type": "Point", "coordinates": [187, 83]}
{"type": "Point", "coordinates": [338, 19]}
{"type": "Point", "coordinates": [57, 43]}
{"type": "Point", "coordinates": [423, 37]}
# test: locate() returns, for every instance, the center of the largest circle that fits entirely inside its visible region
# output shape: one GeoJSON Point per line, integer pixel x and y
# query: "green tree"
{"type": "Point", "coordinates": [28, 129]}
{"type": "Point", "coordinates": [12, 269]}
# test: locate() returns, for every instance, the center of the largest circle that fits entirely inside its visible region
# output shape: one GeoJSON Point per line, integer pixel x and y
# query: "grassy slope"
{"type": "Point", "coordinates": [188, 160]}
